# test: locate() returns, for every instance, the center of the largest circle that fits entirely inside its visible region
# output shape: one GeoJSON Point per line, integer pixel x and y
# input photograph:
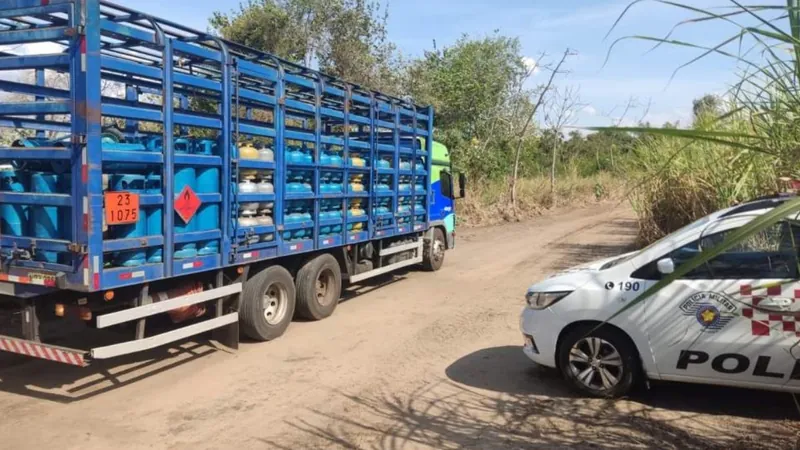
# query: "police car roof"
{"type": "Point", "coordinates": [765, 203]}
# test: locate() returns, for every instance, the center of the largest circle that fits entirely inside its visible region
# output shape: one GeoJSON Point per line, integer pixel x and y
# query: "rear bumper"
{"type": "Point", "coordinates": [47, 352]}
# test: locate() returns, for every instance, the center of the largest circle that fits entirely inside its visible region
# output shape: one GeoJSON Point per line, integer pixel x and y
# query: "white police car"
{"type": "Point", "coordinates": [733, 321]}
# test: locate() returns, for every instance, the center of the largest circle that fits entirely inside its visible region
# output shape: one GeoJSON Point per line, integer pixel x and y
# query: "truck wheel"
{"type": "Point", "coordinates": [601, 362]}
{"type": "Point", "coordinates": [268, 304]}
{"type": "Point", "coordinates": [319, 284]}
{"type": "Point", "coordinates": [433, 252]}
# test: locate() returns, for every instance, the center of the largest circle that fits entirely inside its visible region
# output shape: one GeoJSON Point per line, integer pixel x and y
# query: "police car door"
{"type": "Point", "coordinates": [710, 326]}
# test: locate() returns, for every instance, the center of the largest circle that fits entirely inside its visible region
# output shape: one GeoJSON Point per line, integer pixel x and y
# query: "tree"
{"type": "Point", "coordinates": [707, 105]}
{"type": "Point", "coordinates": [476, 87]}
{"type": "Point", "coordinates": [560, 112]}
{"type": "Point", "coordinates": [346, 38]}
{"type": "Point", "coordinates": [542, 95]}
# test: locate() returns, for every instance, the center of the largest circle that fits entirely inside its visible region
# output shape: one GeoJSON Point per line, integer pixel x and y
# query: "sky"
{"type": "Point", "coordinates": [551, 26]}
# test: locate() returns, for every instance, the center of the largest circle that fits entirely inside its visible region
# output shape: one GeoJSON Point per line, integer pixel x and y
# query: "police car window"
{"type": "Point", "coordinates": [771, 253]}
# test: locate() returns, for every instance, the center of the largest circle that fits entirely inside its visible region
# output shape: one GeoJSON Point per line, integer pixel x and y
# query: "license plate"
{"type": "Point", "coordinates": [42, 277]}
{"type": "Point", "coordinates": [121, 208]}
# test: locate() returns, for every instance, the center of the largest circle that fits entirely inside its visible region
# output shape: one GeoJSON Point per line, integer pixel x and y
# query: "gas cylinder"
{"type": "Point", "coordinates": [185, 176]}
{"type": "Point", "coordinates": [208, 216]}
{"type": "Point", "coordinates": [13, 218]}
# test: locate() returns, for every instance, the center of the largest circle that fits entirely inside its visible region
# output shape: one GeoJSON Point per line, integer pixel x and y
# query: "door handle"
{"type": "Point", "coordinates": [779, 303]}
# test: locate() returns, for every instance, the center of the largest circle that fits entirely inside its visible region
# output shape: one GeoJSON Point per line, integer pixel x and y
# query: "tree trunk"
{"type": "Point", "coordinates": [525, 129]}
{"type": "Point", "coordinates": [553, 173]}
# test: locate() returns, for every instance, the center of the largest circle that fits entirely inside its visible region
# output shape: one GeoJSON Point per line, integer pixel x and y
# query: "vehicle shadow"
{"type": "Point", "coordinates": [497, 399]}
{"type": "Point", "coordinates": [62, 383]}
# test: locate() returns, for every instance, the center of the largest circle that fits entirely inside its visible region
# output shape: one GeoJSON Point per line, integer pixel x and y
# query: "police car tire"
{"type": "Point", "coordinates": [631, 367]}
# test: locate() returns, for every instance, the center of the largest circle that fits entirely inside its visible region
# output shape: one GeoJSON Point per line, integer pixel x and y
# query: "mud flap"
{"type": "Point", "coordinates": [227, 337]}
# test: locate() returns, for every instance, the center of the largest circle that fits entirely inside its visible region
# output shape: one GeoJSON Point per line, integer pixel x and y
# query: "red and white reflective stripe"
{"type": "Point", "coordinates": [41, 351]}
{"type": "Point", "coordinates": [83, 53]}
{"type": "Point", "coordinates": [27, 280]}
{"type": "Point", "coordinates": [96, 272]}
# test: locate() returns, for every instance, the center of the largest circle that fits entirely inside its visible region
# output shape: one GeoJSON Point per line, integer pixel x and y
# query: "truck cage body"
{"type": "Point", "coordinates": [164, 85]}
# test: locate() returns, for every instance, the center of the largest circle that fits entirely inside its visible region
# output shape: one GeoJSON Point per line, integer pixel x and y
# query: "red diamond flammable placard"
{"type": "Point", "coordinates": [187, 203]}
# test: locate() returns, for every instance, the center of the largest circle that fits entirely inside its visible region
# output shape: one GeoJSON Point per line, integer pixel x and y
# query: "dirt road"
{"type": "Point", "coordinates": [422, 361]}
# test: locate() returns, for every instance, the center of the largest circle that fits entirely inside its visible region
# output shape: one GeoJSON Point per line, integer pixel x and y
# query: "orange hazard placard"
{"type": "Point", "coordinates": [186, 204]}
{"type": "Point", "coordinates": [121, 208]}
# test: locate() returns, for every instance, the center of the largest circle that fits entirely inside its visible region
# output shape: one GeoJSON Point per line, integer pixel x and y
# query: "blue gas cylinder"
{"type": "Point", "coordinates": [155, 218]}
{"type": "Point", "coordinates": [182, 145]}
{"type": "Point", "coordinates": [185, 176]}
{"type": "Point", "coordinates": [133, 183]}
{"type": "Point", "coordinates": [294, 155]}
{"type": "Point", "coordinates": [205, 147]}
{"type": "Point", "coordinates": [44, 220]}
{"type": "Point", "coordinates": [383, 183]}
{"type": "Point", "coordinates": [384, 163]}
{"type": "Point", "coordinates": [420, 166]}
{"type": "Point", "coordinates": [308, 157]}
{"type": "Point", "coordinates": [295, 182]}
{"type": "Point", "coordinates": [325, 159]}
{"type": "Point", "coordinates": [208, 215]}
{"type": "Point", "coordinates": [335, 159]}
{"type": "Point", "coordinates": [13, 218]}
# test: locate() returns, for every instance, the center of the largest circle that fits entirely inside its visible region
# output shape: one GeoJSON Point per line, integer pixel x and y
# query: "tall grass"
{"type": "Point", "coordinates": [682, 181]}
{"type": "Point", "coordinates": [745, 150]}
{"type": "Point", "coordinates": [765, 118]}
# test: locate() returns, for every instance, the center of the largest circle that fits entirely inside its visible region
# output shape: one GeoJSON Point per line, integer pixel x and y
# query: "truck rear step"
{"type": "Point", "coordinates": [389, 251]}
{"type": "Point", "coordinates": [82, 358]}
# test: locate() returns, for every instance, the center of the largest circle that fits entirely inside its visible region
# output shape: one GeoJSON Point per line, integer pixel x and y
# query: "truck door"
{"type": "Point", "coordinates": [711, 325]}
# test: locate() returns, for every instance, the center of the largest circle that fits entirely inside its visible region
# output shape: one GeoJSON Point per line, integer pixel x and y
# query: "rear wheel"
{"type": "Point", "coordinates": [319, 284]}
{"type": "Point", "coordinates": [601, 361]}
{"type": "Point", "coordinates": [268, 304]}
{"type": "Point", "coordinates": [433, 253]}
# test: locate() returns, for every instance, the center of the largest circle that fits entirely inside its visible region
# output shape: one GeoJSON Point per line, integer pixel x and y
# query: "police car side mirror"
{"type": "Point", "coordinates": [665, 266]}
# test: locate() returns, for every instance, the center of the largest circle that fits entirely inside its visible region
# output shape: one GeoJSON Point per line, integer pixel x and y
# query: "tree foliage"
{"type": "Point", "coordinates": [346, 38]}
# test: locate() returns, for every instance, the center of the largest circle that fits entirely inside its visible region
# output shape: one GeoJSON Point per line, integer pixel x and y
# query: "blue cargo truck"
{"type": "Point", "coordinates": [161, 182]}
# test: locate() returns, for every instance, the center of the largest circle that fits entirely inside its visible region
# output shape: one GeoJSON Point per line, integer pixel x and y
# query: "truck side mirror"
{"type": "Point", "coordinates": [462, 181]}
{"type": "Point", "coordinates": [665, 266]}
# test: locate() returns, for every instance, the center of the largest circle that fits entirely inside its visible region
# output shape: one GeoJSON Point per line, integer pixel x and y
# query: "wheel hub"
{"type": "Point", "coordinates": [324, 287]}
{"type": "Point", "coordinates": [438, 249]}
{"type": "Point", "coordinates": [275, 304]}
{"type": "Point", "coordinates": [596, 363]}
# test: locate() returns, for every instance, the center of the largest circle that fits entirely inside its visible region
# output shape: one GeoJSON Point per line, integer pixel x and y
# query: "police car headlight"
{"type": "Point", "coordinates": [541, 300]}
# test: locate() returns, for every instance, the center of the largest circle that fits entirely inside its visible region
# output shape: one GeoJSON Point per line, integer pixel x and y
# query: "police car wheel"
{"type": "Point", "coordinates": [601, 362]}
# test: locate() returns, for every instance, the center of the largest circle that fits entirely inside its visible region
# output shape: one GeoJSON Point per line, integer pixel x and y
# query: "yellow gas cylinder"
{"type": "Point", "coordinates": [247, 151]}
{"type": "Point", "coordinates": [357, 183]}
{"type": "Point", "coordinates": [356, 209]}
{"type": "Point", "coordinates": [357, 161]}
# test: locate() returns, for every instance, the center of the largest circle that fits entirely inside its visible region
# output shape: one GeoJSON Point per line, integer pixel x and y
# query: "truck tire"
{"type": "Point", "coordinates": [433, 251]}
{"type": "Point", "coordinates": [601, 362]}
{"type": "Point", "coordinates": [268, 303]}
{"type": "Point", "coordinates": [319, 284]}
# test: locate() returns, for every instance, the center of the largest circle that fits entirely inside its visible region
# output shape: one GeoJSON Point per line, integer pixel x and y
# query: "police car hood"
{"type": "Point", "coordinates": [593, 266]}
{"type": "Point", "coordinates": [574, 277]}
